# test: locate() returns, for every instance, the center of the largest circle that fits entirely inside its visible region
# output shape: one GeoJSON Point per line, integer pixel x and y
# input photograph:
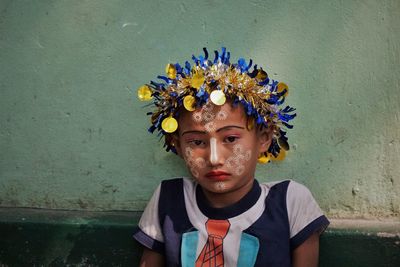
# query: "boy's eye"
{"type": "Point", "coordinates": [196, 142]}
{"type": "Point", "coordinates": [231, 139]}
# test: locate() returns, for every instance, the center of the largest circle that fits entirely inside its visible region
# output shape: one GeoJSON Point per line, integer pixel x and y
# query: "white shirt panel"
{"type": "Point", "coordinates": [301, 206]}
{"type": "Point", "coordinates": [149, 222]}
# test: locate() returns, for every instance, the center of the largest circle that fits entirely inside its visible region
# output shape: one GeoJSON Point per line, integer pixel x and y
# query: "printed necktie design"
{"type": "Point", "coordinates": [212, 253]}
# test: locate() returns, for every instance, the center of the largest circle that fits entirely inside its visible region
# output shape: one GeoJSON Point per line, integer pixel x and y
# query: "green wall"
{"type": "Point", "coordinates": [73, 135]}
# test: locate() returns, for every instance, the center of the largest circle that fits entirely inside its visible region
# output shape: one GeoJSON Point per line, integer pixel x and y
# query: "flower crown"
{"type": "Point", "coordinates": [215, 81]}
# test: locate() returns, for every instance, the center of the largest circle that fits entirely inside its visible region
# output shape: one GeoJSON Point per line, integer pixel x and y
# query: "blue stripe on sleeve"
{"type": "Point", "coordinates": [318, 224]}
{"type": "Point", "coordinates": [148, 242]}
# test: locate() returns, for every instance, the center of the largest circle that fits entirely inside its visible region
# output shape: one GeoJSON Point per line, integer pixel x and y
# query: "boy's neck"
{"type": "Point", "coordinates": [222, 200]}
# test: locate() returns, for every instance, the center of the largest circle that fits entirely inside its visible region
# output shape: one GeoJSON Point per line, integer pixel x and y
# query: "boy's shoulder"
{"type": "Point", "coordinates": [176, 187]}
{"type": "Point", "coordinates": [293, 190]}
{"type": "Point", "coordinates": [291, 186]}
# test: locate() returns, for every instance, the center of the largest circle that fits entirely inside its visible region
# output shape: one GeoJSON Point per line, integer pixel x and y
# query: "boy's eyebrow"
{"type": "Point", "coordinates": [193, 132]}
{"type": "Point", "coordinates": [229, 127]}
{"type": "Point", "coordinates": [218, 130]}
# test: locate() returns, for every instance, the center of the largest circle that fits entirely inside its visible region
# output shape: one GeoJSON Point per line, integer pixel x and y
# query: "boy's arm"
{"type": "Point", "coordinates": [307, 223]}
{"type": "Point", "coordinates": [151, 258]}
{"type": "Point", "coordinates": [149, 233]}
{"type": "Point", "coordinates": [306, 254]}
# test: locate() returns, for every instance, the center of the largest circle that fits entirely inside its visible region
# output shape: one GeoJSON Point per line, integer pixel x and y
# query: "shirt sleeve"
{"type": "Point", "coordinates": [305, 216]}
{"type": "Point", "coordinates": [149, 232]}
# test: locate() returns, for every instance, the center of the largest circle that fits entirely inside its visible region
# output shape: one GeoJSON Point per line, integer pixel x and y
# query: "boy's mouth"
{"type": "Point", "coordinates": [217, 175]}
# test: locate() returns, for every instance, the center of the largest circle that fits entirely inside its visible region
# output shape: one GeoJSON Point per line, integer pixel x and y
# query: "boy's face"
{"type": "Point", "coordinates": [218, 147]}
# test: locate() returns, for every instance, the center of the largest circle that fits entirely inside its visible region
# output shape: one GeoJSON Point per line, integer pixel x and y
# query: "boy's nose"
{"type": "Point", "coordinates": [214, 155]}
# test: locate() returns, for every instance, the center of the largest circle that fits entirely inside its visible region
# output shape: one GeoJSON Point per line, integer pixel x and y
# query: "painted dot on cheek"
{"type": "Point", "coordinates": [237, 149]}
{"type": "Point", "coordinates": [239, 170]}
{"type": "Point", "coordinates": [188, 152]}
{"type": "Point", "coordinates": [200, 163]}
{"type": "Point", "coordinates": [189, 162]}
{"type": "Point", "coordinates": [236, 161]}
{"type": "Point", "coordinates": [240, 157]}
{"type": "Point", "coordinates": [248, 155]}
{"type": "Point", "coordinates": [194, 172]}
{"type": "Point", "coordinates": [229, 162]}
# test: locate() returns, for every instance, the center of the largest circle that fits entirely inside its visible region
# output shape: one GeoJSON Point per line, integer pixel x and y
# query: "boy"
{"type": "Point", "coordinates": [221, 119]}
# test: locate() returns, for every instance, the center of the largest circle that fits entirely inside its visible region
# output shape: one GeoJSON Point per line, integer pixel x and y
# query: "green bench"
{"type": "Point", "coordinates": [35, 237]}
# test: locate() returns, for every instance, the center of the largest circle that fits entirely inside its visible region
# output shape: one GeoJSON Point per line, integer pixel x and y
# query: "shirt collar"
{"type": "Point", "coordinates": [233, 210]}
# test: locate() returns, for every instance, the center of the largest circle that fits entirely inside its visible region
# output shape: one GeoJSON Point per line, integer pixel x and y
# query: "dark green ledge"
{"type": "Point", "coordinates": [35, 237]}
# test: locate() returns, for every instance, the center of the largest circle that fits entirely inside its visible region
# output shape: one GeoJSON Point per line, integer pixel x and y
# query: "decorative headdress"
{"type": "Point", "coordinates": [215, 81]}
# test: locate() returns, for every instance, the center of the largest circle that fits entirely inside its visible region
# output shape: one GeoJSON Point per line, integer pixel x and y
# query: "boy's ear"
{"type": "Point", "coordinates": [265, 138]}
{"type": "Point", "coordinates": [177, 145]}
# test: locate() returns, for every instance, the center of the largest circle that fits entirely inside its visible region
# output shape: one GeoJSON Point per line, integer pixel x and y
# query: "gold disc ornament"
{"type": "Point", "coordinates": [169, 124]}
{"type": "Point", "coordinates": [218, 97]}
{"type": "Point", "coordinates": [188, 102]}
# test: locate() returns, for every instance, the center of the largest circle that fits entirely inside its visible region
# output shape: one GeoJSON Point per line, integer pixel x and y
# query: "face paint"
{"type": "Point", "coordinates": [218, 148]}
{"type": "Point", "coordinates": [200, 163]}
{"type": "Point", "coordinates": [210, 126]}
{"type": "Point", "coordinates": [197, 116]}
{"type": "Point", "coordinates": [220, 186]}
{"type": "Point", "coordinates": [237, 160]}
{"type": "Point", "coordinates": [190, 161]}
{"type": "Point", "coordinates": [194, 164]}
{"type": "Point", "coordinates": [207, 115]}
{"type": "Point", "coordinates": [213, 151]}
{"type": "Point", "coordinates": [222, 115]}
{"type": "Point", "coordinates": [208, 106]}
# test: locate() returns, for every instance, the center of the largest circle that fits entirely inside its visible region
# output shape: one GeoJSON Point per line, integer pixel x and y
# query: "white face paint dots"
{"type": "Point", "coordinates": [207, 116]}
{"type": "Point", "coordinates": [236, 162]}
{"type": "Point", "coordinates": [194, 164]}
{"type": "Point", "coordinates": [220, 186]}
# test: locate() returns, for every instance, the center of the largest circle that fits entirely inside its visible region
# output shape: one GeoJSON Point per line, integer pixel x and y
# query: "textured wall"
{"type": "Point", "coordinates": [73, 135]}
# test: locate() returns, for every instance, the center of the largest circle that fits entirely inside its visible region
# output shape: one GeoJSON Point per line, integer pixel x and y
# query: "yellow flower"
{"type": "Point", "coordinates": [171, 71]}
{"type": "Point", "coordinates": [261, 75]}
{"type": "Point", "coordinates": [197, 79]}
{"type": "Point", "coordinates": [282, 86]}
{"type": "Point", "coordinates": [144, 93]}
{"type": "Point", "coordinates": [264, 159]}
{"type": "Point", "coordinates": [281, 156]}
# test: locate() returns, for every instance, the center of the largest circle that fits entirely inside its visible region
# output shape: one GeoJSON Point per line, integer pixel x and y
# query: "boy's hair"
{"type": "Point", "coordinates": [193, 86]}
